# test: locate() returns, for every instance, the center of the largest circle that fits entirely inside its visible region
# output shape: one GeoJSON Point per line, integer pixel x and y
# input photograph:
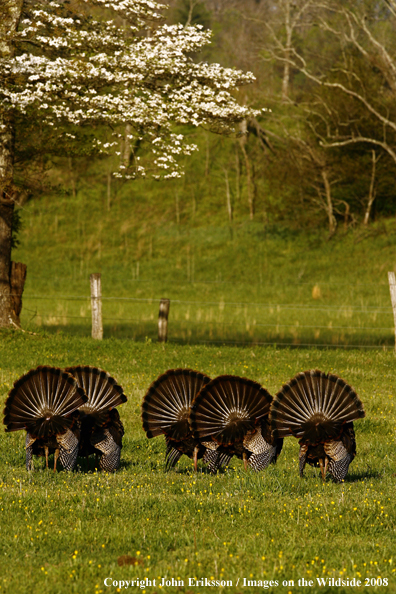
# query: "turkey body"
{"type": "Point", "coordinates": [319, 409]}
{"type": "Point", "coordinates": [166, 411]}
{"type": "Point", "coordinates": [101, 426]}
{"type": "Point", "coordinates": [45, 403]}
{"type": "Point", "coordinates": [230, 415]}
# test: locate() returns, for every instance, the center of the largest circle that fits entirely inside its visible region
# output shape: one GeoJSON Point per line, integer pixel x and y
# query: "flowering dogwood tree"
{"type": "Point", "coordinates": [108, 63]}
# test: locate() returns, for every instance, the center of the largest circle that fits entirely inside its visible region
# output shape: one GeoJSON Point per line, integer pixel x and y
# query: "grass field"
{"type": "Point", "coordinates": [259, 285]}
{"type": "Point", "coordinates": [249, 283]}
{"type": "Point", "coordinates": [68, 532]}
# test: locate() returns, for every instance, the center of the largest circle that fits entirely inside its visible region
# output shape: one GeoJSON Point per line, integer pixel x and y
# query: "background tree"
{"type": "Point", "coordinates": [67, 68]}
{"type": "Point", "coordinates": [344, 64]}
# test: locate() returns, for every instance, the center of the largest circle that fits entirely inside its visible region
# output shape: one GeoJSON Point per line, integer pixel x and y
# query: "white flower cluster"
{"type": "Point", "coordinates": [91, 72]}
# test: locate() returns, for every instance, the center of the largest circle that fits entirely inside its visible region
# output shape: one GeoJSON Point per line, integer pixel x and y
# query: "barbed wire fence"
{"type": "Point", "coordinates": [230, 331]}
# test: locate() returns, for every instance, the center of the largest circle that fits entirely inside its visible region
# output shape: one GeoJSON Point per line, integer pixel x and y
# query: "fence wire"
{"type": "Point", "coordinates": [250, 331]}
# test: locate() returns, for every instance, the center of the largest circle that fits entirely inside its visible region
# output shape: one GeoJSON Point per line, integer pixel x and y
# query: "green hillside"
{"type": "Point", "coordinates": [249, 281]}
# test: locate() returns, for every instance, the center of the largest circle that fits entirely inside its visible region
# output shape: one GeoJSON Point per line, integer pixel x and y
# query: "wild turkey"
{"type": "Point", "coordinates": [45, 402]}
{"type": "Point", "coordinates": [166, 410]}
{"type": "Point", "coordinates": [319, 409]}
{"type": "Point", "coordinates": [232, 414]}
{"type": "Point", "coordinates": [101, 426]}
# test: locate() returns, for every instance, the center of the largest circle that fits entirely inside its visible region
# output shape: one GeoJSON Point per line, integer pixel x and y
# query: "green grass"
{"type": "Point", "coordinates": [260, 285]}
{"type": "Point", "coordinates": [64, 532]}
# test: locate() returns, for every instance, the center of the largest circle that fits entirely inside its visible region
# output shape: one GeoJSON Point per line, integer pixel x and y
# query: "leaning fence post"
{"type": "Point", "coordinates": [96, 305]}
{"type": "Point", "coordinates": [163, 320]}
{"type": "Point", "coordinates": [392, 288]}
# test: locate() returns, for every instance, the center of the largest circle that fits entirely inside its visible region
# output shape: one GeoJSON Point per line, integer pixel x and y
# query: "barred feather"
{"type": "Point", "coordinates": [319, 409]}
{"type": "Point", "coordinates": [233, 412]}
{"type": "Point", "coordinates": [224, 460]}
{"type": "Point", "coordinates": [339, 469]}
{"type": "Point", "coordinates": [228, 408]}
{"type": "Point", "coordinates": [68, 449]}
{"type": "Point", "coordinates": [314, 406]}
{"type": "Point", "coordinates": [103, 391]}
{"type": "Point", "coordinates": [45, 403]}
{"type": "Point", "coordinates": [166, 405]}
{"type": "Point", "coordinates": [110, 451]}
{"type": "Point", "coordinates": [166, 410]}
{"type": "Point", "coordinates": [172, 455]}
{"type": "Point", "coordinates": [262, 452]}
{"type": "Point", "coordinates": [211, 459]}
{"type": "Point", "coordinates": [101, 429]}
{"type": "Point", "coordinates": [111, 462]}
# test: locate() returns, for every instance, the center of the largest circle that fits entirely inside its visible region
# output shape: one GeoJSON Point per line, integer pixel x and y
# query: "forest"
{"type": "Point", "coordinates": [320, 147]}
{"type": "Point", "coordinates": [323, 150]}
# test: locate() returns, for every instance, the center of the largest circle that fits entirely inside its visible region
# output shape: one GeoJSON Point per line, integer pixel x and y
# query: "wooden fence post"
{"type": "Point", "coordinates": [392, 288]}
{"type": "Point", "coordinates": [17, 283]}
{"type": "Point", "coordinates": [96, 306]}
{"type": "Point", "coordinates": [163, 320]}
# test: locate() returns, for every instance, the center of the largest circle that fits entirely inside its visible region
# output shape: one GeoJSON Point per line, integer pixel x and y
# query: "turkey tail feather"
{"type": "Point", "coordinates": [103, 391]}
{"type": "Point", "coordinates": [314, 407]}
{"type": "Point", "coordinates": [44, 401]}
{"type": "Point", "coordinates": [227, 408]}
{"type": "Point", "coordinates": [166, 405]}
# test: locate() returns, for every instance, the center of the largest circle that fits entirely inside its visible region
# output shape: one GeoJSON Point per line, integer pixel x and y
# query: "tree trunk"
{"type": "Point", "coordinates": [207, 157]}
{"type": "Point", "coordinates": [109, 189]}
{"type": "Point", "coordinates": [238, 174]}
{"type": "Point", "coordinates": [6, 212]}
{"type": "Point", "coordinates": [287, 51]}
{"type": "Point", "coordinates": [126, 157]}
{"type": "Point", "coordinates": [329, 204]}
{"type": "Point", "coordinates": [371, 196]}
{"type": "Point", "coordinates": [228, 196]}
{"type": "Point", "coordinates": [72, 177]}
{"type": "Point", "coordinates": [11, 14]}
{"type": "Point", "coordinates": [17, 281]}
{"type": "Point", "coordinates": [250, 189]}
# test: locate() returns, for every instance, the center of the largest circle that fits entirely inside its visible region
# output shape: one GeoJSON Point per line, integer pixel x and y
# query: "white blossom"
{"type": "Point", "coordinates": [86, 72]}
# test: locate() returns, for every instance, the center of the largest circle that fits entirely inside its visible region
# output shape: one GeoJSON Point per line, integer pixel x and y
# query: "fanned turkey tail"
{"type": "Point", "coordinates": [166, 410]}
{"type": "Point", "coordinates": [319, 409]}
{"type": "Point", "coordinates": [231, 412]}
{"type": "Point", "coordinates": [45, 403]}
{"type": "Point", "coordinates": [102, 429]}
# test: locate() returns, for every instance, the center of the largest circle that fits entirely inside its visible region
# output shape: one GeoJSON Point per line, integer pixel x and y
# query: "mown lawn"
{"type": "Point", "coordinates": [68, 532]}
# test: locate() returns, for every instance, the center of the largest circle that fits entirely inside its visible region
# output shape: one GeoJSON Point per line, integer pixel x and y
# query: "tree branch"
{"type": "Point", "coordinates": [361, 139]}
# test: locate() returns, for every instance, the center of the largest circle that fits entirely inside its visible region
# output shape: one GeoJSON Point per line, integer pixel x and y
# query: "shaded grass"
{"type": "Point", "coordinates": [264, 285]}
{"type": "Point", "coordinates": [65, 532]}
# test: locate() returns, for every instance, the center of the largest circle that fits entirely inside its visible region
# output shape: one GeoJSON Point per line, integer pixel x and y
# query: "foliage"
{"type": "Point", "coordinates": [319, 67]}
{"type": "Point", "coordinates": [341, 103]}
{"type": "Point", "coordinates": [93, 63]}
{"type": "Point", "coordinates": [313, 131]}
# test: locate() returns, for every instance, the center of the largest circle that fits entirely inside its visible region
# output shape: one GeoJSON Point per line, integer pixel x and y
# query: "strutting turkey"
{"type": "Point", "coordinates": [45, 402]}
{"type": "Point", "coordinates": [319, 409]}
{"type": "Point", "coordinates": [166, 411]}
{"type": "Point", "coordinates": [232, 414]}
{"type": "Point", "coordinates": [101, 426]}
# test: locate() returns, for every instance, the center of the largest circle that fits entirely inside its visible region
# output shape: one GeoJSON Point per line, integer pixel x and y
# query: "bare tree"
{"type": "Point", "coordinates": [289, 16]}
{"type": "Point", "coordinates": [367, 64]}
{"type": "Point", "coordinates": [372, 193]}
